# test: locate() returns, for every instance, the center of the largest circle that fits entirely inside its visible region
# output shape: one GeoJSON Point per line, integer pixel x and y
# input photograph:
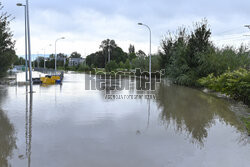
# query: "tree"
{"type": "Point", "coordinates": [118, 55]}
{"type": "Point", "coordinates": [75, 55]}
{"type": "Point", "coordinates": [19, 60]}
{"type": "Point", "coordinates": [165, 54]}
{"type": "Point", "coordinates": [7, 52]}
{"type": "Point", "coordinates": [61, 55]}
{"type": "Point", "coordinates": [121, 65]}
{"type": "Point", "coordinates": [127, 65]}
{"type": "Point", "coordinates": [96, 59]}
{"type": "Point", "coordinates": [140, 53]}
{"type": "Point", "coordinates": [198, 43]}
{"type": "Point", "coordinates": [105, 46]}
{"type": "Point", "coordinates": [106, 43]}
{"type": "Point", "coordinates": [99, 59]}
{"type": "Point", "coordinates": [111, 66]}
{"type": "Point", "coordinates": [140, 62]}
{"type": "Point", "coordinates": [155, 64]}
{"type": "Point", "coordinates": [62, 59]}
{"type": "Point", "coordinates": [131, 52]}
{"type": "Point", "coordinates": [131, 49]}
{"type": "Point", "coordinates": [51, 56]}
{"type": "Point", "coordinates": [41, 61]}
{"type": "Point", "coordinates": [185, 56]}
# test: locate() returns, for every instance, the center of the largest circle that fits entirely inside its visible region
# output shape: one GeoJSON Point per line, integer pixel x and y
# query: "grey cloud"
{"type": "Point", "coordinates": [100, 18]}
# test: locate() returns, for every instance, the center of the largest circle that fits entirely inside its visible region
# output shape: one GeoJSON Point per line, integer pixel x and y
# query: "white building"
{"type": "Point", "coordinates": [75, 61]}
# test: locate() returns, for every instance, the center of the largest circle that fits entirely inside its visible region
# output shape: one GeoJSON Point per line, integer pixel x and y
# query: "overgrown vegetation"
{"type": "Point", "coordinates": [184, 54]}
{"type": "Point", "coordinates": [236, 84]}
{"type": "Point", "coordinates": [188, 57]}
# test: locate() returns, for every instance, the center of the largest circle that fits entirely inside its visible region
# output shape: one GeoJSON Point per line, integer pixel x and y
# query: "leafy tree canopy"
{"type": "Point", "coordinates": [7, 52]}
{"type": "Point", "coordinates": [75, 55]}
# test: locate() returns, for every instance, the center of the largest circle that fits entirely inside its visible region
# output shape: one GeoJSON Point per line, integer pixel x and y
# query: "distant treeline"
{"type": "Point", "coordinates": [186, 56]}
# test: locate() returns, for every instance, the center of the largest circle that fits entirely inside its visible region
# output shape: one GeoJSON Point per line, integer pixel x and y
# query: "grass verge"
{"type": "Point", "coordinates": [247, 124]}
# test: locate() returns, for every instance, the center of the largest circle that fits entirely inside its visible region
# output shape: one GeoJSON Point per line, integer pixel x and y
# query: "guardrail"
{"type": "Point", "coordinates": [48, 71]}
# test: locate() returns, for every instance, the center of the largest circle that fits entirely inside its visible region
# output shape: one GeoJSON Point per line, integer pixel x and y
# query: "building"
{"type": "Point", "coordinates": [75, 61]}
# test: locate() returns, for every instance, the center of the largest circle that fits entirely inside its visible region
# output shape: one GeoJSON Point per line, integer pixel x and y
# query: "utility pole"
{"type": "Point", "coordinates": [55, 51]}
{"type": "Point", "coordinates": [26, 63]}
{"type": "Point", "coordinates": [149, 50]}
{"type": "Point", "coordinates": [29, 47]}
{"type": "Point", "coordinates": [248, 26]}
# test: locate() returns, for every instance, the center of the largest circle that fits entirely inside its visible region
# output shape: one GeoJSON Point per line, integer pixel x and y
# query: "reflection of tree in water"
{"type": "Point", "coordinates": [7, 136]}
{"type": "Point", "coordinates": [193, 111]}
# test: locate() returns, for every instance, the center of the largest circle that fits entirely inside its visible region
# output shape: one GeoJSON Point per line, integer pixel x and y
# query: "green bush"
{"type": "Point", "coordinates": [189, 56]}
{"type": "Point", "coordinates": [127, 65]}
{"type": "Point", "coordinates": [121, 65]}
{"type": "Point", "coordinates": [83, 67]}
{"type": "Point", "coordinates": [236, 84]}
{"type": "Point", "coordinates": [111, 66]}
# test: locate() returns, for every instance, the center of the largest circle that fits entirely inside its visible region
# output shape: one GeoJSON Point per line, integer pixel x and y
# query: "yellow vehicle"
{"type": "Point", "coordinates": [51, 79]}
{"type": "Point", "coordinates": [46, 80]}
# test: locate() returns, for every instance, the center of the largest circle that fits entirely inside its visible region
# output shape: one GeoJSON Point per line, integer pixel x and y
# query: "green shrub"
{"type": "Point", "coordinates": [111, 66]}
{"type": "Point", "coordinates": [83, 67]}
{"type": "Point", "coordinates": [127, 65]}
{"type": "Point", "coordinates": [236, 84]}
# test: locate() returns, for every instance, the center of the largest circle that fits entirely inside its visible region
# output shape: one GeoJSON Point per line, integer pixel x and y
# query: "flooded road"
{"type": "Point", "coordinates": [66, 125]}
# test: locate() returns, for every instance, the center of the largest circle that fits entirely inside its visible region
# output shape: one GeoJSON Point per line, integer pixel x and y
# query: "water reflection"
{"type": "Point", "coordinates": [30, 130]}
{"type": "Point", "coordinates": [28, 125]}
{"type": "Point", "coordinates": [7, 135]}
{"type": "Point", "coordinates": [193, 112]}
{"type": "Point", "coordinates": [148, 113]}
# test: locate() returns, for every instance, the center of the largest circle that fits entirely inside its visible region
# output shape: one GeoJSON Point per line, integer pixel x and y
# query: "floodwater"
{"type": "Point", "coordinates": [66, 125]}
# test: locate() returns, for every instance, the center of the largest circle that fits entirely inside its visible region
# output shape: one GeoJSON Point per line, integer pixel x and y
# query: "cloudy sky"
{"type": "Point", "coordinates": [85, 23]}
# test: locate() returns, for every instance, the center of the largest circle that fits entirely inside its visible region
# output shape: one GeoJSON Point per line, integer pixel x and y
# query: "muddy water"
{"type": "Point", "coordinates": [66, 125]}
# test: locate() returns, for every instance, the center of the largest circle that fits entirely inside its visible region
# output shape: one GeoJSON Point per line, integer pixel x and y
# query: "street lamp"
{"type": "Point", "coordinates": [248, 26]}
{"type": "Point", "coordinates": [141, 24]}
{"type": "Point", "coordinates": [55, 50]}
{"type": "Point", "coordinates": [27, 36]}
{"type": "Point", "coordinates": [26, 64]}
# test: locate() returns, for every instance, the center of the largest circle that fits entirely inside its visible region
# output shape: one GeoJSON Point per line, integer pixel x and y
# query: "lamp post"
{"type": "Point", "coordinates": [248, 26]}
{"type": "Point", "coordinates": [55, 50]}
{"type": "Point", "coordinates": [141, 24]}
{"type": "Point", "coordinates": [44, 63]}
{"type": "Point", "coordinates": [29, 47]}
{"type": "Point", "coordinates": [27, 27]}
{"type": "Point", "coordinates": [26, 63]}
